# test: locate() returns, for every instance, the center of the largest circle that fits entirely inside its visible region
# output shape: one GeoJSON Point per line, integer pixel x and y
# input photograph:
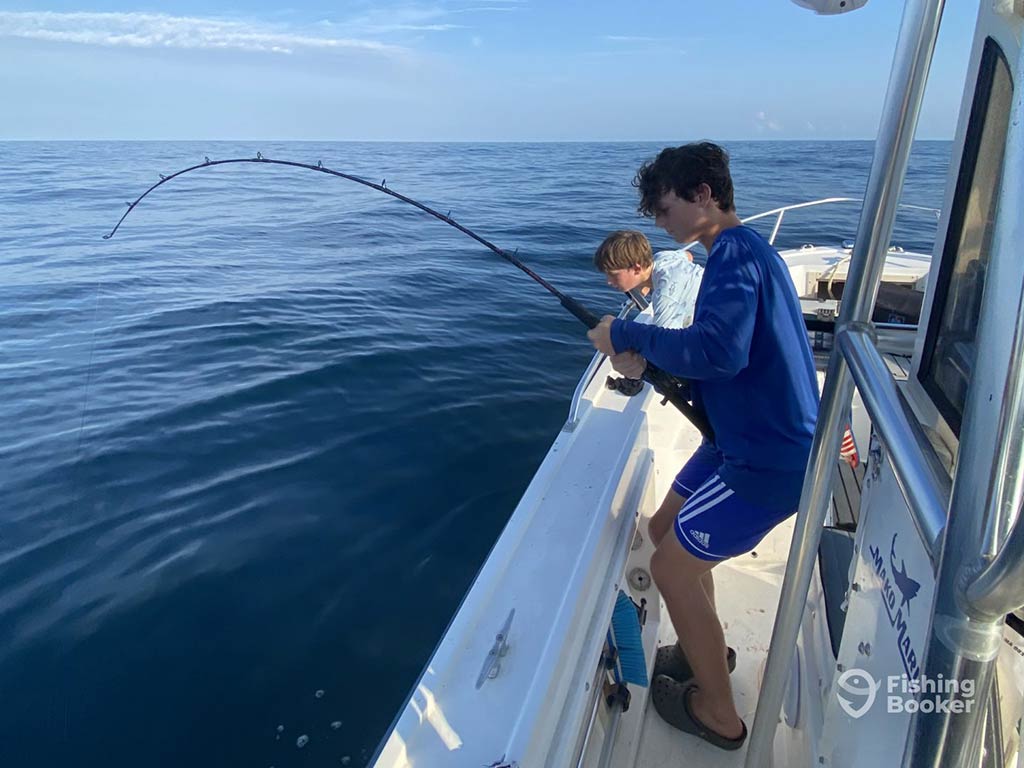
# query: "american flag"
{"type": "Point", "coordinates": [848, 449]}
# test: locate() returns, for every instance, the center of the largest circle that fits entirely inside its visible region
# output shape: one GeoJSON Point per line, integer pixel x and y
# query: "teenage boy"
{"type": "Point", "coordinates": [750, 366]}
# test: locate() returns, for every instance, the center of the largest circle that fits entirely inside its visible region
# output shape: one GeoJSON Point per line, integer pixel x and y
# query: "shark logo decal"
{"type": "Point", "coordinates": [907, 586]}
{"type": "Point", "coordinates": [898, 589]}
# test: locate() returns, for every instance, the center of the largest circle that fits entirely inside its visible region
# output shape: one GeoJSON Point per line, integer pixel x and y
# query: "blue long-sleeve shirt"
{"type": "Point", "coordinates": [750, 362]}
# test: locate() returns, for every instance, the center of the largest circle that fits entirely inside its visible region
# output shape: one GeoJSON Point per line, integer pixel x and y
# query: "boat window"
{"type": "Point", "coordinates": [951, 347]}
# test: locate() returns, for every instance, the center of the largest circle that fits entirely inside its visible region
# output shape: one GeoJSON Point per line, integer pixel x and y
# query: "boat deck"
{"type": "Point", "coordinates": [747, 592]}
{"type": "Point", "coordinates": [750, 587]}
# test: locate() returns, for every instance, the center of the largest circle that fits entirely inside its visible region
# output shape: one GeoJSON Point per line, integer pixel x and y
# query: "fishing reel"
{"type": "Point", "coordinates": [628, 387]}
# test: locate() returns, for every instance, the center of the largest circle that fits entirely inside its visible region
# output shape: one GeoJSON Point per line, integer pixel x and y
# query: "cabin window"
{"type": "Point", "coordinates": [951, 346]}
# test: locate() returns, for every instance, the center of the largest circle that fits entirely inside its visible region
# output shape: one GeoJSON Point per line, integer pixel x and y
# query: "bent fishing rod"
{"type": "Point", "coordinates": [672, 389]}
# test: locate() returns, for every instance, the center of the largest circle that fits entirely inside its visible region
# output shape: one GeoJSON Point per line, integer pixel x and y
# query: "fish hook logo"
{"type": "Point", "coordinates": [860, 684]}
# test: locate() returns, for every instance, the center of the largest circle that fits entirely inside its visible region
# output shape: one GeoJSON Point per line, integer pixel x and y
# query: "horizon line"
{"type": "Point", "coordinates": [451, 141]}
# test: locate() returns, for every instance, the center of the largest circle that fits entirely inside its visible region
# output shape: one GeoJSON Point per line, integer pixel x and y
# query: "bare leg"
{"type": "Point", "coordinates": [680, 578]}
{"type": "Point", "coordinates": [661, 524]}
{"type": "Point", "coordinates": [709, 586]}
{"type": "Point", "coordinates": [663, 520]}
{"type": "Point", "coordinates": [708, 582]}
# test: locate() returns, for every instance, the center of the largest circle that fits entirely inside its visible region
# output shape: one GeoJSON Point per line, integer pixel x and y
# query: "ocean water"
{"type": "Point", "coordinates": [254, 448]}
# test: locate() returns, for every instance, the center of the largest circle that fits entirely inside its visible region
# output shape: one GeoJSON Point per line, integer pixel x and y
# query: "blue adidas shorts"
{"type": "Point", "coordinates": [715, 523]}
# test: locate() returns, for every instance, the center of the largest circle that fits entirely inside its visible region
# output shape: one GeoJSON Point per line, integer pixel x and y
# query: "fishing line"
{"type": "Point", "coordinates": [88, 383]}
{"type": "Point", "coordinates": [672, 389]}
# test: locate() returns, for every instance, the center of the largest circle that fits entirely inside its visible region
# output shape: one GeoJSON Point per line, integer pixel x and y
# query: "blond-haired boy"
{"type": "Point", "coordinates": [670, 279]}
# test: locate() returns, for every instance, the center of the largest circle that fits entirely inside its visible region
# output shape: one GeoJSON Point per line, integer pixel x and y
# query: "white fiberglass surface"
{"type": "Point", "coordinates": [747, 590]}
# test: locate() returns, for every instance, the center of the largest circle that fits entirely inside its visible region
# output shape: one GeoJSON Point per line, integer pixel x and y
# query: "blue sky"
{"type": "Point", "coordinates": [460, 70]}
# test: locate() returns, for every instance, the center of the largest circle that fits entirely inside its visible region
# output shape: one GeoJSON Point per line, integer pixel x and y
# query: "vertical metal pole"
{"type": "Point", "coordinates": [775, 229]}
{"type": "Point", "coordinates": [914, 48]}
{"type": "Point", "coordinates": [968, 614]}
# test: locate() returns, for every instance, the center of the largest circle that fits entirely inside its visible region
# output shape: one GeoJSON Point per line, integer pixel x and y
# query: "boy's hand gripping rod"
{"type": "Point", "coordinates": [673, 390]}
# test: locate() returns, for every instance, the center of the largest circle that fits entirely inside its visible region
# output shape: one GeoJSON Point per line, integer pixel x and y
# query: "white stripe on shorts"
{"type": "Point", "coordinates": [710, 486]}
{"type": "Point", "coordinates": [677, 484]}
{"type": "Point", "coordinates": [706, 502]}
{"type": "Point", "coordinates": [699, 548]}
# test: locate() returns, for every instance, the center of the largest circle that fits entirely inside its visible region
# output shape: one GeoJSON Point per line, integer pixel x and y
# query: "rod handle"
{"type": "Point", "coordinates": [676, 391]}
{"type": "Point", "coordinates": [668, 386]}
{"type": "Point", "coordinates": [582, 314]}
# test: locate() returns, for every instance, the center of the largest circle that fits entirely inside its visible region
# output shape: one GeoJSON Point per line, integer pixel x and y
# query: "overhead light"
{"type": "Point", "coordinates": [831, 7]}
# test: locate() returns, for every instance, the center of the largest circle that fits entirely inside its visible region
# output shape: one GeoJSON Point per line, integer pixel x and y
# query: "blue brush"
{"type": "Point", "coordinates": [625, 637]}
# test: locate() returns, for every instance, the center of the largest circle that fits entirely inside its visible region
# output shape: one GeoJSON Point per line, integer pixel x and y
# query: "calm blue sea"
{"type": "Point", "coordinates": [254, 448]}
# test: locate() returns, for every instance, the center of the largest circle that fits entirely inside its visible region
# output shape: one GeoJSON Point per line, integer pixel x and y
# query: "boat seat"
{"type": "Point", "coordinates": [834, 555]}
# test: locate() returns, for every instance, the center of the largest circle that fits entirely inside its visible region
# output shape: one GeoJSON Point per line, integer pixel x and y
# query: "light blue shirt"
{"type": "Point", "coordinates": [675, 284]}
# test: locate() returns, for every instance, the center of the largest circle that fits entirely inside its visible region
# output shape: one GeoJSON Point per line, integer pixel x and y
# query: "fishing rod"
{"type": "Point", "coordinates": [669, 387]}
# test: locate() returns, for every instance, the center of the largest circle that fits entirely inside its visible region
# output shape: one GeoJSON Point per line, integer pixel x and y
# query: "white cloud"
{"type": "Point", "coordinates": [477, 41]}
{"type": "Point", "coordinates": [406, 17]}
{"type": "Point", "coordinates": [763, 122]}
{"type": "Point", "coordinates": [157, 30]}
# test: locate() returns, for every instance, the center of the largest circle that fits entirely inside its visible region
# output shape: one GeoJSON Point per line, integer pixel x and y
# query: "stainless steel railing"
{"type": "Point", "coordinates": [779, 213]}
{"type": "Point", "coordinates": [918, 32]}
{"type": "Point", "coordinates": [924, 488]}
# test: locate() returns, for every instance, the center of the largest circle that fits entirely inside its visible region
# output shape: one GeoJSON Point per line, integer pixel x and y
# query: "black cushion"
{"type": "Point", "coordinates": [834, 555]}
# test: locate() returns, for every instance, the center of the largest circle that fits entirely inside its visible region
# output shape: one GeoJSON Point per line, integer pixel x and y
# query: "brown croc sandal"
{"type": "Point", "coordinates": [672, 701]}
{"type": "Point", "coordinates": [671, 662]}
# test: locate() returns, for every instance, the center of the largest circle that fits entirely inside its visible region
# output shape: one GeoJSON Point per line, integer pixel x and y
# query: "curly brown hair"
{"type": "Point", "coordinates": [682, 170]}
